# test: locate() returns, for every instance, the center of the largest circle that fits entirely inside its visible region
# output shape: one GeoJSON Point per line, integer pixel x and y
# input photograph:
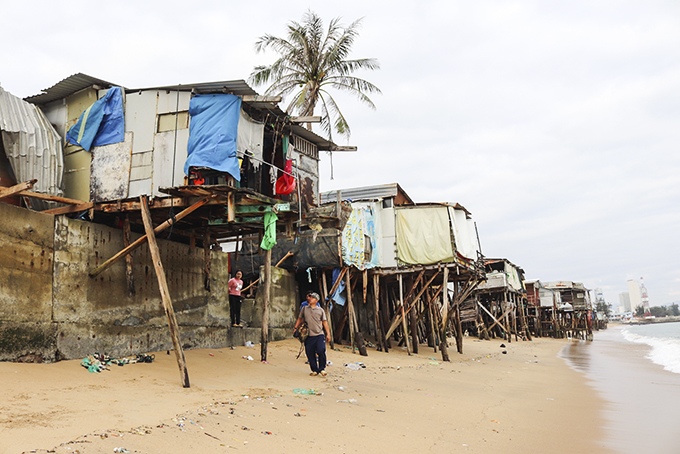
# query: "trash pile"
{"type": "Point", "coordinates": [98, 362]}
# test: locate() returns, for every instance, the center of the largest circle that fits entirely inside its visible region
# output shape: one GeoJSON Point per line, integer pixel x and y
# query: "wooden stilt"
{"type": "Point", "coordinates": [165, 292]}
{"type": "Point", "coordinates": [356, 337]}
{"type": "Point", "coordinates": [364, 276]}
{"type": "Point", "coordinates": [326, 306]}
{"type": "Point", "coordinates": [129, 275]}
{"type": "Point", "coordinates": [414, 331]}
{"type": "Point", "coordinates": [443, 343]}
{"type": "Point", "coordinates": [380, 335]}
{"type": "Point", "coordinates": [403, 317]}
{"type": "Point", "coordinates": [385, 314]}
{"type": "Point", "coordinates": [264, 337]}
{"type": "Point", "coordinates": [206, 258]}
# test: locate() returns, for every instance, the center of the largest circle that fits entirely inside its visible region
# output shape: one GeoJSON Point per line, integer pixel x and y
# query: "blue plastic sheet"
{"type": "Point", "coordinates": [213, 132]}
{"type": "Point", "coordinates": [338, 297]}
{"type": "Point", "coordinates": [102, 123]}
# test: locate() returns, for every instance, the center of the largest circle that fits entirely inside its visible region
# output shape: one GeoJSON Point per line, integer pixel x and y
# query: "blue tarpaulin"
{"type": "Point", "coordinates": [103, 123]}
{"type": "Point", "coordinates": [212, 133]}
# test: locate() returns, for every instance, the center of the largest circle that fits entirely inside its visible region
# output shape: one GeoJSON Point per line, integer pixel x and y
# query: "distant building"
{"type": "Point", "coordinates": [624, 302]}
{"type": "Point", "coordinates": [634, 294]}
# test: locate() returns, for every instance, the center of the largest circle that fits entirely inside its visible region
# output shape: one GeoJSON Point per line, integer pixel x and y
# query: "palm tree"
{"type": "Point", "coordinates": [311, 62]}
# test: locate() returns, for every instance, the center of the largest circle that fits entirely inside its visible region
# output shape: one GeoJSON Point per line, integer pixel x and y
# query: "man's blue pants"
{"type": "Point", "coordinates": [316, 345]}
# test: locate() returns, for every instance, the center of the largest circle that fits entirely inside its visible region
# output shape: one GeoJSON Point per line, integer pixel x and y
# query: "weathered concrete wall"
{"type": "Point", "coordinates": [282, 307]}
{"type": "Point", "coordinates": [51, 307]}
{"type": "Point", "coordinates": [26, 254]}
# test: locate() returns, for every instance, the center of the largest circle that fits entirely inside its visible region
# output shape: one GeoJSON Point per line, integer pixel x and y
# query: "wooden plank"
{"type": "Point", "coordinates": [69, 209]}
{"type": "Point", "coordinates": [51, 198]}
{"type": "Point", "coordinates": [17, 188]}
{"type": "Point", "coordinates": [261, 98]}
{"type": "Point", "coordinates": [264, 336]}
{"type": "Point", "coordinates": [308, 119]}
{"type": "Point", "coordinates": [106, 265]}
{"type": "Point", "coordinates": [165, 293]}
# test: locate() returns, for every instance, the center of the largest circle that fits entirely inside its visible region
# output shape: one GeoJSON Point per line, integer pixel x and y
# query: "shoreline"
{"type": "Point", "coordinates": [483, 401]}
{"type": "Point", "coordinates": [640, 397]}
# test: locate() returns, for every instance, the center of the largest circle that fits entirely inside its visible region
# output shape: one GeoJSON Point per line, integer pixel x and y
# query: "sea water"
{"type": "Point", "coordinates": [663, 338]}
{"type": "Point", "coordinates": [634, 369]}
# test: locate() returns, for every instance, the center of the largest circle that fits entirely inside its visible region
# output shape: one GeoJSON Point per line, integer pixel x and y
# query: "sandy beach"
{"type": "Point", "coordinates": [528, 400]}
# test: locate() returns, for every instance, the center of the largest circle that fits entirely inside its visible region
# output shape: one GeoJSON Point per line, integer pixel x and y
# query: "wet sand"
{"type": "Point", "coordinates": [527, 400]}
{"type": "Point", "coordinates": [642, 400]}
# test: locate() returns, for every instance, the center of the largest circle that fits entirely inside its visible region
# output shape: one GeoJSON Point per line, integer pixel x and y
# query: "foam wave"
{"type": "Point", "coordinates": [665, 351]}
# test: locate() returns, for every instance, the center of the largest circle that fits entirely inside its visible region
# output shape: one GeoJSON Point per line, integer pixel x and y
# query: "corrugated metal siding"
{"type": "Point", "coordinates": [32, 145]}
{"type": "Point", "coordinates": [364, 193]}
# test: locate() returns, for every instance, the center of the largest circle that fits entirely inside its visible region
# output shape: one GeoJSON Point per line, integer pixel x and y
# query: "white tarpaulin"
{"type": "Point", "coordinates": [464, 233]}
{"type": "Point", "coordinates": [423, 235]}
{"type": "Point", "coordinates": [249, 138]}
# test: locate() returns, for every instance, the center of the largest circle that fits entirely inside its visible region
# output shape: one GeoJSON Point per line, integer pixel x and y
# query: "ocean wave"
{"type": "Point", "coordinates": [665, 351]}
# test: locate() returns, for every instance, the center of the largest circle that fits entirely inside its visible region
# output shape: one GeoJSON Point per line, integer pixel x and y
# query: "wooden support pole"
{"type": "Point", "coordinates": [403, 316]}
{"type": "Point", "coordinates": [443, 347]}
{"type": "Point", "coordinates": [459, 326]}
{"type": "Point", "coordinates": [379, 333]}
{"type": "Point", "coordinates": [129, 275]}
{"type": "Point", "coordinates": [165, 292]}
{"type": "Point", "coordinates": [432, 338]}
{"type": "Point", "coordinates": [326, 307]}
{"type": "Point", "coordinates": [106, 265]}
{"type": "Point", "coordinates": [414, 330]}
{"type": "Point", "coordinates": [206, 258]}
{"type": "Point", "coordinates": [355, 334]}
{"type": "Point", "coordinates": [364, 276]}
{"type": "Point", "coordinates": [264, 338]}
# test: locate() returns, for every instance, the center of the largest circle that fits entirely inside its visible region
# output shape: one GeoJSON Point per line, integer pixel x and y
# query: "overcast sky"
{"type": "Point", "coordinates": [557, 124]}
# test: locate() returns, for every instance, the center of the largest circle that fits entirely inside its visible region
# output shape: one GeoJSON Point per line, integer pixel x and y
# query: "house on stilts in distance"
{"type": "Point", "coordinates": [391, 270]}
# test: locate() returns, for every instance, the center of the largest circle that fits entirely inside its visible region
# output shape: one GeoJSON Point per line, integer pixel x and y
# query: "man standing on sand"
{"type": "Point", "coordinates": [315, 344]}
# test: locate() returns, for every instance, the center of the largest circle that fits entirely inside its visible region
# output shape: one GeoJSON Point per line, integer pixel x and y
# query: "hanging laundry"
{"type": "Point", "coordinates": [269, 238]}
{"type": "Point", "coordinates": [102, 123]}
{"type": "Point", "coordinates": [286, 183]}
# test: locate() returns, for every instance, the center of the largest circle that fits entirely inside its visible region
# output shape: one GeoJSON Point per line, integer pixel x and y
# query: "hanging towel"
{"type": "Point", "coordinates": [269, 238]}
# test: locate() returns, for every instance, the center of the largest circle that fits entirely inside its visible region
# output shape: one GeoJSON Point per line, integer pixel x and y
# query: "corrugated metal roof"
{"type": "Point", "coordinates": [237, 87]}
{"type": "Point", "coordinates": [32, 145]}
{"type": "Point", "coordinates": [66, 87]}
{"type": "Point", "coordinates": [365, 193]}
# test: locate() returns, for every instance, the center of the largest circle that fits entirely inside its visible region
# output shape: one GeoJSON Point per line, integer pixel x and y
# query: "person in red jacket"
{"type": "Point", "coordinates": [235, 286]}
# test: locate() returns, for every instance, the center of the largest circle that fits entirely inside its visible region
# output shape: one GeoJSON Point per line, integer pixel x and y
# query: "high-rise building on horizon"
{"type": "Point", "coordinates": [624, 301]}
{"type": "Point", "coordinates": [634, 294]}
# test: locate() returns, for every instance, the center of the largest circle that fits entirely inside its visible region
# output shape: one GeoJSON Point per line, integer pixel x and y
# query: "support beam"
{"type": "Point", "coordinates": [261, 98]}
{"type": "Point", "coordinates": [165, 293]}
{"type": "Point", "coordinates": [51, 198]}
{"type": "Point", "coordinates": [403, 316]}
{"type": "Point", "coordinates": [308, 119]}
{"type": "Point", "coordinates": [379, 336]}
{"type": "Point", "coordinates": [17, 188]}
{"type": "Point", "coordinates": [325, 306]}
{"type": "Point", "coordinates": [106, 265]}
{"type": "Point", "coordinates": [69, 209]}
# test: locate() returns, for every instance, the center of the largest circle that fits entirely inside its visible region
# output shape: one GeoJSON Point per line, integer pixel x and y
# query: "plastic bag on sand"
{"type": "Point", "coordinates": [249, 344]}
{"type": "Point", "coordinates": [310, 392]}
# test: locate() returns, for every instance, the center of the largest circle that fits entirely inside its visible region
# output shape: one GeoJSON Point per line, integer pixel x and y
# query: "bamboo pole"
{"type": "Point", "coordinates": [165, 292]}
